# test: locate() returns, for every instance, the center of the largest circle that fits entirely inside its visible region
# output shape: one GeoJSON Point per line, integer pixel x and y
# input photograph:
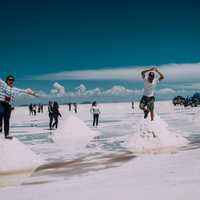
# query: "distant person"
{"type": "Point", "coordinates": [70, 106]}
{"type": "Point", "coordinates": [34, 109]}
{"type": "Point", "coordinates": [132, 105]}
{"type": "Point", "coordinates": [95, 111]}
{"type": "Point", "coordinates": [50, 111]}
{"type": "Point", "coordinates": [42, 108]}
{"type": "Point", "coordinates": [39, 108]}
{"type": "Point", "coordinates": [148, 99]}
{"type": "Point", "coordinates": [7, 95]}
{"type": "Point", "coordinates": [75, 108]}
{"type": "Point", "coordinates": [30, 109]}
{"type": "Point", "coordinates": [56, 114]}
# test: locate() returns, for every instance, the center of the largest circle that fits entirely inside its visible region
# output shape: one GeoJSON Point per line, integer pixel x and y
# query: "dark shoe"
{"type": "Point", "coordinates": [9, 137]}
{"type": "Point", "coordinates": [146, 112]}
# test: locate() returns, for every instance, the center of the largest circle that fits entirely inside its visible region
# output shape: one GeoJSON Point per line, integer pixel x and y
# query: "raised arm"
{"type": "Point", "coordinates": [145, 71]}
{"type": "Point", "coordinates": [160, 74]}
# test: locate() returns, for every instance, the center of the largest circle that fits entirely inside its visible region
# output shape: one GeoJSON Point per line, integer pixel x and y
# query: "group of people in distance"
{"type": "Point", "coordinates": [8, 93]}
{"type": "Point", "coordinates": [33, 109]}
{"type": "Point", "coordinates": [75, 107]}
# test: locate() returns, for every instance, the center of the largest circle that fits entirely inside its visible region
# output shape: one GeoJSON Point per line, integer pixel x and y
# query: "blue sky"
{"type": "Point", "coordinates": [50, 37]}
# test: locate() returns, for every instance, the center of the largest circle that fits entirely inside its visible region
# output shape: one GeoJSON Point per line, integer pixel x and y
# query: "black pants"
{"type": "Point", "coordinates": [50, 121]}
{"type": "Point", "coordinates": [95, 119]}
{"type": "Point", "coordinates": [5, 112]}
{"type": "Point", "coordinates": [1, 123]}
{"type": "Point", "coordinates": [55, 124]}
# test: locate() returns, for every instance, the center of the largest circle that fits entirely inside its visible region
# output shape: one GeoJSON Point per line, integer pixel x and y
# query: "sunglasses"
{"type": "Point", "coordinates": [11, 80]}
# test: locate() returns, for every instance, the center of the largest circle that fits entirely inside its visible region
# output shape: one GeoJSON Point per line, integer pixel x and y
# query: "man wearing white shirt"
{"type": "Point", "coordinates": [148, 99]}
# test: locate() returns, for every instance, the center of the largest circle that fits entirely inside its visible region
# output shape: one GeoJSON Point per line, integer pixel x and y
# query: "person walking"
{"type": "Point", "coordinates": [132, 105]}
{"type": "Point", "coordinates": [95, 111]}
{"type": "Point", "coordinates": [7, 95]}
{"type": "Point", "coordinates": [34, 109]}
{"type": "Point", "coordinates": [50, 111]}
{"type": "Point", "coordinates": [42, 108]}
{"type": "Point", "coordinates": [30, 109]}
{"type": "Point", "coordinates": [70, 106]}
{"type": "Point", "coordinates": [75, 108]}
{"type": "Point", "coordinates": [56, 114]}
{"type": "Point", "coordinates": [148, 99]}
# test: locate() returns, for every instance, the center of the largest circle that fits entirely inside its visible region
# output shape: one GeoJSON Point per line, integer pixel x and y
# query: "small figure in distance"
{"type": "Point", "coordinates": [132, 105]}
{"type": "Point", "coordinates": [75, 108]}
{"type": "Point", "coordinates": [95, 111]}
{"type": "Point", "coordinates": [50, 111]}
{"type": "Point", "coordinates": [56, 114]}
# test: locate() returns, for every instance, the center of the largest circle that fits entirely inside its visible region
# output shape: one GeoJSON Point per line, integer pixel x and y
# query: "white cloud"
{"type": "Point", "coordinates": [172, 72]}
{"type": "Point", "coordinates": [193, 86]}
{"type": "Point", "coordinates": [118, 90]}
{"type": "Point", "coordinates": [80, 90]}
{"type": "Point", "coordinates": [58, 90]}
{"type": "Point", "coordinates": [94, 92]}
{"type": "Point", "coordinates": [165, 91]}
{"type": "Point", "coordinates": [42, 93]}
{"type": "Point", "coordinates": [102, 74]}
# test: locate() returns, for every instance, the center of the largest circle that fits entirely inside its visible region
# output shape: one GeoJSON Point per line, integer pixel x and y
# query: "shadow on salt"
{"type": "Point", "coordinates": [155, 137]}
{"type": "Point", "coordinates": [17, 162]}
{"type": "Point", "coordinates": [73, 134]}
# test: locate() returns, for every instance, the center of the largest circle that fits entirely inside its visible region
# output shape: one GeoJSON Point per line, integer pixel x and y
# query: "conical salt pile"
{"type": "Point", "coordinates": [153, 135]}
{"type": "Point", "coordinates": [15, 157]}
{"type": "Point", "coordinates": [73, 133]}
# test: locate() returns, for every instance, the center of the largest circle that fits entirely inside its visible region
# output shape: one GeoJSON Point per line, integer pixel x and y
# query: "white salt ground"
{"type": "Point", "coordinates": [152, 177]}
{"type": "Point", "coordinates": [149, 177]}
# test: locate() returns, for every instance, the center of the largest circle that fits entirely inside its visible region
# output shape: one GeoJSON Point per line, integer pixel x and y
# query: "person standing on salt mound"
{"type": "Point", "coordinates": [7, 96]}
{"type": "Point", "coordinates": [148, 99]}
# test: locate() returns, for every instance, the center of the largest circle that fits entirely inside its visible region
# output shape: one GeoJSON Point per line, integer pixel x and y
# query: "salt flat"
{"type": "Point", "coordinates": [105, 167]}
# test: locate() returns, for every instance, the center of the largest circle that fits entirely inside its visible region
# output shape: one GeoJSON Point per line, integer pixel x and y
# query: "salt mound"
{"type": "Point", "coordinates": [15, 157]}
{"type": "Point", "coordinates": [75, 127]}
{"type": "Point", "coordinates": [152, 135]}
{"type": "Point", "coordinates": [74, 132]}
